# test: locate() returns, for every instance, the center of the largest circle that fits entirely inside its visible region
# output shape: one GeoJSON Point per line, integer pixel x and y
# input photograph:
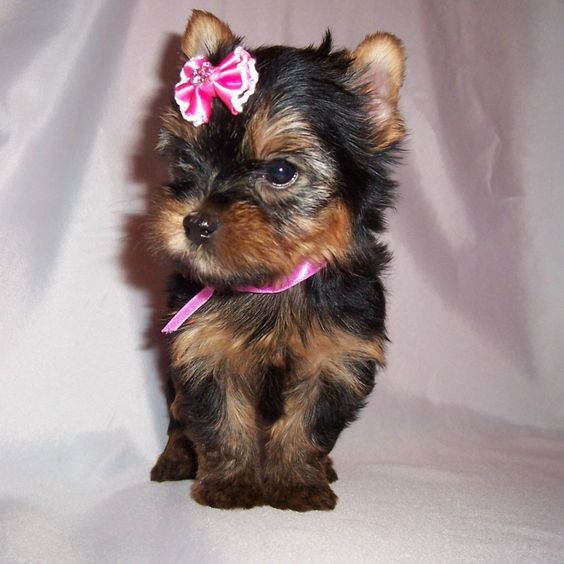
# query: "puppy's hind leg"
{"type": "Point", "coordinates": [178, 460]}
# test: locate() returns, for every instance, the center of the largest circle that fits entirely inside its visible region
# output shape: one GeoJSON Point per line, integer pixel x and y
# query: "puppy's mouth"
{"type": "Point", "coordinates": [209, 268]}
{"type": "Point", "coordinates": [208, 250]}
{"type": "Point", "coordinates": [241, 245]}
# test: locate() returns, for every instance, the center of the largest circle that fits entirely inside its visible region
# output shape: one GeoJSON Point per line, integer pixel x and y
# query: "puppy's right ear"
{"type": "Point", "coordinates": [205, 34]}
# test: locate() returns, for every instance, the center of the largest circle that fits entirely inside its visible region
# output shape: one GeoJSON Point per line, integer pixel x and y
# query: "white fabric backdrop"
{"type": "Point", "coordinates": [459, 456]}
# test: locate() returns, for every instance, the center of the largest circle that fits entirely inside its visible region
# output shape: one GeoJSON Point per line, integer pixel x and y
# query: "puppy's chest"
{"type": "Point", "coordinates": [249, 335]}
{"type": "Point", "coordinates": [244, 334]}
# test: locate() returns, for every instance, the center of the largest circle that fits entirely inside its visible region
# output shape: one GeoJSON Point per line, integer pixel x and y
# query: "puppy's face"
{"type": "Point", "coordinates": [299, 174]}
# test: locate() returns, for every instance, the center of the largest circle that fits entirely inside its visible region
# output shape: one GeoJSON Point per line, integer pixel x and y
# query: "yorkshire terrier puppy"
{"type": "Point", "coordinates": [279, 163]}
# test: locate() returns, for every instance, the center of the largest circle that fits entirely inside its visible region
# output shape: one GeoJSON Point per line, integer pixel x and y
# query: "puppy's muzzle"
{"type": "Point", "coordinates": [200, 227]}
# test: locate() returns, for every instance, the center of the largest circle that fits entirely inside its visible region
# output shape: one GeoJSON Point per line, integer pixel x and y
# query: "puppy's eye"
{"type": "Point", "coordinates": [280, 173]}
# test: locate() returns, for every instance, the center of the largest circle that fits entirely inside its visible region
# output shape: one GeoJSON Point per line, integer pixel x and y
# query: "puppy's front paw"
{"type": "Point", "coordinates": [302, 497]}
{"type": "Point", "coordinates": [168, 468]}
{"type": "Point", "coordinates": [330, 471]}
{"type": "Point", "coordinates": [227, 495]}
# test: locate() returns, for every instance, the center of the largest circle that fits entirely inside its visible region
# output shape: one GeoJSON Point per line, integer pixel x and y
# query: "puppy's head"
{"type": "Point", "coordinates": [299, 174]}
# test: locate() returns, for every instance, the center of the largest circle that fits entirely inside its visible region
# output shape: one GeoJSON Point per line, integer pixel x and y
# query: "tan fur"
{"type": "Point", "coordinates": [264, 371]}
{"type": "Point", "coordinates": [270, 135]}
{"type": "Point", "coordinates": [205, 34]}
{"type": "Point", "coordinates": [175, 124]}
{"type": "Point", "coordinates": [291, 456]}
{"type": "Point", "coordinates": [237, 460]}
{"type": "Point", "coordinates": [289, 447]}
{"type": "Point", "coordinates": [247, 239]}
{"type": "Point", "coordinates": [331, 238]}
{"type": "Point", "coordinates": [239, 424]}
{"type": "Point", "coordinates": [165, 231]}
{"type": "Point", "coordinates": [286, 134]}
{"type": "Point", "coordinates": [175, 409]}
{"type": "Point", "coordinates": [296, 472]}
{"type": "Point", "coordinates": [212, 345]}
{"type": "Point", "coordinates": [325, 352]}
{"type": "Point", "coordinates": [380, 63]}
{"type": "Point", "coordinates": [250, 237]}
{"type": "Point", "coordinates": [210, 340]}
{"type": "Point", "coordinates": [239, 445]}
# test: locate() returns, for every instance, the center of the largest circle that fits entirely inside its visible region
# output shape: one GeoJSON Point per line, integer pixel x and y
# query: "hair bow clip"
{"type": "Point", "coordinates": [233, 81]}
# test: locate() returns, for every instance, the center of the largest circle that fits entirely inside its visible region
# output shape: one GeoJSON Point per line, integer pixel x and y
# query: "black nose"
{"type": "Point", "coordinates": [200, 227]}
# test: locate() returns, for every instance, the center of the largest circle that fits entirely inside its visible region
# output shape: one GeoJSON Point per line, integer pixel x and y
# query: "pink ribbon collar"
{"type": "Point", "coordinates": [304, 271]}
{"type": "Point", "coordinates": [233, 81]}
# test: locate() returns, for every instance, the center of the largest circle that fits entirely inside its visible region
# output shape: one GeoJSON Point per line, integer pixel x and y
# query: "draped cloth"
{"type": "Point", "coordinates": [459, 455]}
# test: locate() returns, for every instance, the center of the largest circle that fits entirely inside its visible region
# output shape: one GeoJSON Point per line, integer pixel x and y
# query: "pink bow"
{"type": "Point", "coordinates": [304, 271]}
{"type": "Point", "coordinates": [233, 82]}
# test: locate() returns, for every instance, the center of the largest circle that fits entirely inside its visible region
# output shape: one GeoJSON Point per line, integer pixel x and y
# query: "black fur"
{"type": "Point", "coordinates": [201, 406]}
{"type": "Point", "coordinates": [271, 400]}
{"type": "Point", "coordinates": [320, 86]}
{"type": "Point", "coordinates": [340, 167]}
{"type": "Point", "coordinates": [338, 407]}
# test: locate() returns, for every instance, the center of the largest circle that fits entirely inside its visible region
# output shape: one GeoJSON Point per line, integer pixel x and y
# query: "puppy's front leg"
{"type": "Point", "coordinates": [317, 408]}
{"type": "Point", "coordinates": [220, 420]}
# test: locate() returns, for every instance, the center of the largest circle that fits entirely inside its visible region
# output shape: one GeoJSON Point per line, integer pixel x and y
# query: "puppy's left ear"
{"type": "Point", "coordinates": [379, 64]}
{"type": "Point", "coordinates": [205, 34]}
